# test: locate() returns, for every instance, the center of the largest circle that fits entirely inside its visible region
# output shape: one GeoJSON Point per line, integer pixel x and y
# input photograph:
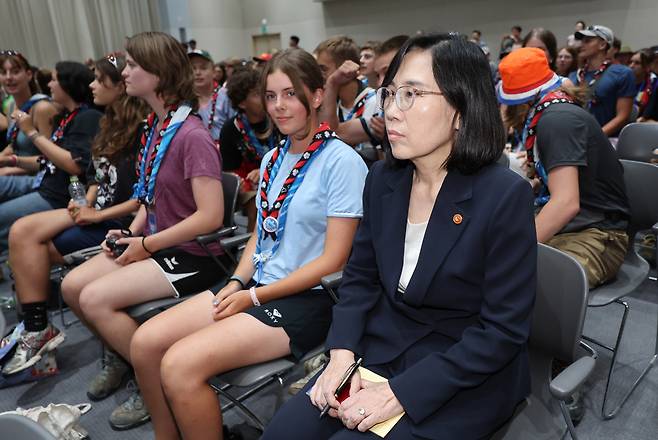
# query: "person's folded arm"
{"type": "Point", "coordinates": [508, 291]}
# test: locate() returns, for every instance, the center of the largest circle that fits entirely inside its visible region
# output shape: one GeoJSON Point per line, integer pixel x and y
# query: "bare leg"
{"type": "Point", "coordinates": [29, 240]}
{"type": "Point", "coordinates": [149, 345]}
{"type": "Point", "coordinates": [233, 342]}
{"type": "Point", "coordinates": [82, 275]}
{"type": "Point", "coordinates": [102, 301]}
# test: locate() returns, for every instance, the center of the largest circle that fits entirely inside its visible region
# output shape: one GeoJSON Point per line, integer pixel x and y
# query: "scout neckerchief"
{"type": "Point", "coordinates": [644, 93]}
{"type": "Point", "coordinates": [254, 149]}
{"type": "Point", "coordinates": [272, 219]}
{"type": "Point", "coordinates": [213, 105]}
{"type": "Point", "coordinates": [535, 167]}
{"type": "Point", "coordinates": [595, 77]}
{"type": "Point", "coordinates": [45, 165]}
{"type": "Point", "coordinates": [360, 105]}
{"type": "Point", "coordinates": [149, 164]}
{"type": "Point", "coordinates": [12, 132]}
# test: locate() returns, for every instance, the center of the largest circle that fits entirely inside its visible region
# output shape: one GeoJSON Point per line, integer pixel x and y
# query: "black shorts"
{"type": "Point", "coordinates": [304, 316]}
{"type": "Point", "coordinates": [188, 273]}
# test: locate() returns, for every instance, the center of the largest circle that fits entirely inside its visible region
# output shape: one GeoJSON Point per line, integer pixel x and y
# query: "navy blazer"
{"type": "Point", "coordinates": [454, 346]}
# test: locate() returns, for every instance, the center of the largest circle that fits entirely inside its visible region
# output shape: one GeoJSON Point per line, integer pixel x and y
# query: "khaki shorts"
{"type": "Point", "coordinates": [600, 252]}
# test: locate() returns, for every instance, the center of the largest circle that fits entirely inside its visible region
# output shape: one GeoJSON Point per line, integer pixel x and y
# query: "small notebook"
{"type": "Point", "coordinates": [382, 428]}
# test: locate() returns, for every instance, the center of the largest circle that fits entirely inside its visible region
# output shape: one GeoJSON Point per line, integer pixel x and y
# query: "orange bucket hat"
{"type": "Point", "coordinates": [524, 74]}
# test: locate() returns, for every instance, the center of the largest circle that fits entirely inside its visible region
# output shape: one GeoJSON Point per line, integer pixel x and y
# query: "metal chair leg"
{"type": "Point", "coordinates": [567, 419]}
{"type": "Point", "coordinates": [615, 351]}
{"type": "Point", "coordinates": [236, 401]}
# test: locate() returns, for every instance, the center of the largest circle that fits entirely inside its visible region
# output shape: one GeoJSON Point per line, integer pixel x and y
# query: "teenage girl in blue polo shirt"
{"type": "Point", "coordinates": [309, 205]}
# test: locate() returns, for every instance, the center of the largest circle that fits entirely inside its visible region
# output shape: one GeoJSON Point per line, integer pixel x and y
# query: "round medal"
{"type": "Point", "coordinates": [270, 224]}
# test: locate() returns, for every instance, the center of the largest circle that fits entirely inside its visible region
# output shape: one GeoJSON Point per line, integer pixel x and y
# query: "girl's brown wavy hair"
{"type": "Point", "coordinates": [160, 54]}
{"type": "Point", "coordinates": [122, 119]}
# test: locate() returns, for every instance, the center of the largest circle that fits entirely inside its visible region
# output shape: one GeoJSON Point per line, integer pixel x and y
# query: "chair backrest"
{"type": "Point", "coordinates": [641, 181]}
{"type": "Point", "coordinates": [3, 324]}
{"type": "Point", "coordinates": [560, 304]}
{"type": "Point", "coordinates": [15, 427]}
{"type": "Point", "coordinates": [231, 187]}
{"type": "Point", "coordinates": [637, 142]}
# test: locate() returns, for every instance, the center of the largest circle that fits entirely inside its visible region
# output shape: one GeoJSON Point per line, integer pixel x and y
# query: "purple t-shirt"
{"type": "Point", "coordinates": [192, 153]}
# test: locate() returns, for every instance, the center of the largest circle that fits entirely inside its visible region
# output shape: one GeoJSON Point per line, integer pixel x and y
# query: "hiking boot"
{"type": "Point", "coordinates": [114, 370]}
{"type": "Point", "coordinates": [130, 413]}
{"type": "Point", "coordinates": [31, 348]}
{"type": "Point", "coordinates": [311, 368]}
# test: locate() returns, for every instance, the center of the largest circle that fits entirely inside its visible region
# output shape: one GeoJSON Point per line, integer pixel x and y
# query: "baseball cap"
{"type": "Point", "coordinates": [524, 73]}
{"type": "Point", "coordinates": [602, 32]}
{"type": "Point", "coordinates": [200, 53]}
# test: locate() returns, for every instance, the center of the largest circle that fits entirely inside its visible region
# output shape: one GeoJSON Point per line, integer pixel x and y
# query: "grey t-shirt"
{"type": "Point", "coordinates": [569, 135]}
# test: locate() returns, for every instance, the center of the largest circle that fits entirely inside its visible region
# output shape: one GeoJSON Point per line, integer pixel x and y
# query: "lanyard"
{"type": "Point", "coordinates": [12, 132]}
{"type": "Point", "coordinates": [271, 220]}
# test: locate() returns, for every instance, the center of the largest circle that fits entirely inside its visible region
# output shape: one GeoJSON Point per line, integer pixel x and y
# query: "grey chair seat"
{"type": "Point", "coordinates": [250, 375]}
{"type": "Point", "coordinates": [634, 270]}
{"type": "Point", "coordinates": [143, 312]}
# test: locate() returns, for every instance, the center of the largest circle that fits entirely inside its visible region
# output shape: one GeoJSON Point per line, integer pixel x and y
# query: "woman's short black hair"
{"type": "Point", "coordinates": [462, 73]}
{"type": "Point", "coordinates": [74, 78]}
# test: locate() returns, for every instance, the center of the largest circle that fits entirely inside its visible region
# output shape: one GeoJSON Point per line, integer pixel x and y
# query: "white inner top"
{"type": "Point", "coordinates": [413, 240]}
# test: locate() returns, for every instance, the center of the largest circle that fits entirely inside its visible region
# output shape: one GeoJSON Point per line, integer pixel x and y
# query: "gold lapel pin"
{"type": "Point", "coordinates": [457, 219]}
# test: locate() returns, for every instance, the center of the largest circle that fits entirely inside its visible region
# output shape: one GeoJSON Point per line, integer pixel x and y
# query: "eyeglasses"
{"type": "Point", "coordinates": [404, 96]}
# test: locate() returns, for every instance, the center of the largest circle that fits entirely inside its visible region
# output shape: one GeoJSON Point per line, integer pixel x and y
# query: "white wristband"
{"type": "Point", "coordinates": [254, 298]}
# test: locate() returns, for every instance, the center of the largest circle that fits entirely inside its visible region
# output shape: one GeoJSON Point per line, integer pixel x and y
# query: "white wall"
{"type": "Point", "coordinates": [634, 21]}
{"type": "Point", "coordinates": [225, 27]}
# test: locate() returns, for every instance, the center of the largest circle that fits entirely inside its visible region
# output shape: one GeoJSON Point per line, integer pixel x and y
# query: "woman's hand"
{"type": "Point", "coordinates": [374, 403]}
{"type": "Point", "coordinates": [324, 388]}
{"type": "Point", "coordinates": [24, 121]}
{"type": "Point", "coordinates": [85, 215]}
{"type": "Point", "coordinates": [229, 302]}
{"type": "Point", "coordinates": [134, 252]}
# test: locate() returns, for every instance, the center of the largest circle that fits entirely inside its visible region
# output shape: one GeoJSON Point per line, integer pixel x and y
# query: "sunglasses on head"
{"type": "Point", "coordinates": [112, 59]}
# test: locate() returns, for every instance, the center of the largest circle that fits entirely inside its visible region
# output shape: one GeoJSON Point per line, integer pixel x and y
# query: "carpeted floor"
{"type": "Point", "coordinates": [78, 360]}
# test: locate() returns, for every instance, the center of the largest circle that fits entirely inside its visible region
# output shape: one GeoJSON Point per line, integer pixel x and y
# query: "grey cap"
{"type": "Point", "coordinates": [602, 32]}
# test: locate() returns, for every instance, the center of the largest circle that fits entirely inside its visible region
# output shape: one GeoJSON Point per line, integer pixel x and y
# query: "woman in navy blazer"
{"type": "Point", "coordinates": [438, 292]}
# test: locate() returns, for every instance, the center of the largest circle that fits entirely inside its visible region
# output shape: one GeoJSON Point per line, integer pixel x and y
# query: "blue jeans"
{"type": "Point", "coordinates": [12, 210]}
{"type": "Point", "coordinates": [15, 186]}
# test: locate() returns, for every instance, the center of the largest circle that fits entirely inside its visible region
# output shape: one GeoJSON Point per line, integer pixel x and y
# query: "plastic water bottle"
{"type": "Point", "coordinates": [77, 192]}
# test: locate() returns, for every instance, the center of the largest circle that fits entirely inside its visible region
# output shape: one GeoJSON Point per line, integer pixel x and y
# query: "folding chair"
{"type": "Point", "coordinates": [557, 324]}
{"type": "Point", "coordinates": [256, 377]}
{"type": "Point", "coordinates": [638, 141]}
{"type": "Point", "coordinates": [641, 182]}
{"type": "Point", "coordinates": [15, 427]}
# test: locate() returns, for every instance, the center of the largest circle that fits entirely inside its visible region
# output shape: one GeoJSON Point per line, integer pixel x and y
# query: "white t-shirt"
{"type": "Point", "coordinates": [332, 187]}
{"type": "Point", "coordinates": [413, 241]}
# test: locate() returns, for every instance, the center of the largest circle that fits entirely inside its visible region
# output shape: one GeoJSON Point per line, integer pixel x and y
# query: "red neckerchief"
{"type": "Point", "coordinates": [149, 127]}
{"type": "Point", "coordinates": [647, 90]}
{"type": "Point", "coordinates": [59, 131]}
{"type": "Point", "coordinates": [322, 135]}
{"type": "Point", "coordinates": [597, 74]}
{"type": "Point", "coordinates": [556, 97]}
{"type": "Point", "coordinates": [213, 105]}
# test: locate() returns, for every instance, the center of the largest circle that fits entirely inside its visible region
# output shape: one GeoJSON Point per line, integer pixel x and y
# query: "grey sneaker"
{"type": "Point", "coordinates": [114, 370]}
{"type": "Point", "coordinates": [311, 368]}
{"type": "Point", "coordinates": [130, 413]}
{"type": "Point", "coordinates": [31, 347]}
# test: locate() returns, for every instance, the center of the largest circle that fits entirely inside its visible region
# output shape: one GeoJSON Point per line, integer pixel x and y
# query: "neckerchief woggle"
{"type": "Point", "coordinates": [45, 165]}
{"type": "Point", "coordinates": [271, 220]}
{"type": "Point", "coordinates": [535, 167]}
{"type": "Point", "coordinates": [12, 131]}
{"type": "Point", "coordinates": [144, 189]}
{"type": "Point", "coordinates": [254, 148]}
{"type": "Point", "coordinates": [580, 74]}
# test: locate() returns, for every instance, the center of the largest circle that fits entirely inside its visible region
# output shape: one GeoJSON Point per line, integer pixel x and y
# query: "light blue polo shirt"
{"type": "Point", "coordinates": [332, 187]}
